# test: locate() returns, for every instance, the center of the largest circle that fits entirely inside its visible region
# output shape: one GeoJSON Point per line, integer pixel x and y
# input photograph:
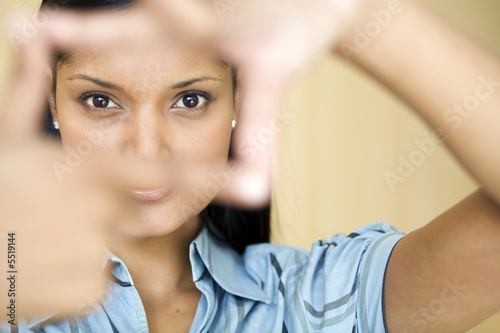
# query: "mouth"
{"type": "Point", "coordinates": [148, 195]}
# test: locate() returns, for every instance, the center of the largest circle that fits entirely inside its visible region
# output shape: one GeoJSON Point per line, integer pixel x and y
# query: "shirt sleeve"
{"type": "Point", "coordinates": [343, 282]}
{"type": "Point", "coordinates": [4, 327]}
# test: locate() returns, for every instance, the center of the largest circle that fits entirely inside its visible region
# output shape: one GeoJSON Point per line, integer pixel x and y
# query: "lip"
{"type": "Point", "coordinates": [148, 195]}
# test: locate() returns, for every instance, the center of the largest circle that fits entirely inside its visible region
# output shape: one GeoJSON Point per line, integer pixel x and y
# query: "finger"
{"type": "Point", "coordinates": [102, 182]}
{"type": "Point", "coordinates": [99, 29]}
{"type": "Point", "coordinates": [148, 21]}
{"type": "Point", "coordinates": [25, 101]}
{"type": "Point", "coordinates": [126, 176]}
{"type": "Point", "coordinates": [255, 141]}
{"type": "Point", "coordinates": [191, 18]}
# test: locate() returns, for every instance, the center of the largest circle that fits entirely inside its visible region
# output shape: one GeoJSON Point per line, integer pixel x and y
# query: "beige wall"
{"type": "Point", "coordinates": [348, 131]}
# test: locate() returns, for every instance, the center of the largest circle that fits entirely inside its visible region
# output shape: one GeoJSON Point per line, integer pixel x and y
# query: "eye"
{"type": "Point", "coordinates": [191, 101]}
{"type": "Point", "coordinates": [99, 101]}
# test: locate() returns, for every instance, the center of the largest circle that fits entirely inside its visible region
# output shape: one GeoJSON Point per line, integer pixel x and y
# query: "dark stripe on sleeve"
{"type": "Point", "coordinates": [276, 265]}
{"type": "Point", "coordinates": [120, 282]}
{"type": "Point", "coordinates": [205, 272]}
{"type": "Point", "coordinates": [331, 305]}
{"type": "Point", "coordinates": [281, 288]}
{"type": "Point", "coordinates": [322, 243]}
{"type": "Point", "coordinates": [279, 271]}
{"type": "Point", "coordinates": [108, 268]}
{"type": "Point", "coordinates": [14, 328]}
{"type": "Point", "coordinates": [113, 327]}
{"type": "Point", "coordinates": [73, 327]}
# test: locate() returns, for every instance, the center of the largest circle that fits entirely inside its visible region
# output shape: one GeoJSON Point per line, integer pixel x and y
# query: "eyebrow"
{"type": "Point", "coordinates": [96, 81]}
{"type": "Point", "coordinates": [184, 84]}
{"type": "Point", "coordinates": [109, 85]}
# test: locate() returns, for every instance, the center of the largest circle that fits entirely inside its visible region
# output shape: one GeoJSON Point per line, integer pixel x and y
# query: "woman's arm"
{"type": "Point", "coordinates": [444, 277]}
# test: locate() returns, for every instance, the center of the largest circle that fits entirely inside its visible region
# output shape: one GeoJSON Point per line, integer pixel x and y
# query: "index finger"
{"type": "Point", "coordinates": [25, 101]}
{"type": "Point", "coordinates": [255, 141]}
{"type": "Point", "coordinates": [147, 20]}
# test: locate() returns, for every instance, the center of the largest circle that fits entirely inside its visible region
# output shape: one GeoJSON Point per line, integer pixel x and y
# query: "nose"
{"type": "Point", "coordinates": [147, 131]}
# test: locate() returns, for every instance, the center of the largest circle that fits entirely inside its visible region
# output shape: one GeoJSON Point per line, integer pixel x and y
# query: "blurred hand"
{"type": "Point", "coordinates": [270, 42]}
{"type": "Point", "coordinates": [60, 227]}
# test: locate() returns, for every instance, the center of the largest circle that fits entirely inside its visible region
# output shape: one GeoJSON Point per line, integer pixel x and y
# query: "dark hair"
{"type": "Point", "coordinates": [236, 226]}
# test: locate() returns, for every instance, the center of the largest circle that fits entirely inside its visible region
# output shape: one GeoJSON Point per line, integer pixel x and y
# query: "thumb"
{"type": "Point", "coordinates": [255, 141]}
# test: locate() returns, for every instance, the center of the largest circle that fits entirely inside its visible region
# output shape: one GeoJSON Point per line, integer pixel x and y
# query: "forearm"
{"type": "Point", "coordinates": [449, 80]}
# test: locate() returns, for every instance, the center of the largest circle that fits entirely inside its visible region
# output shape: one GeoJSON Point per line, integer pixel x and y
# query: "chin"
{"type": "Point", "coordinates": [166, 217]}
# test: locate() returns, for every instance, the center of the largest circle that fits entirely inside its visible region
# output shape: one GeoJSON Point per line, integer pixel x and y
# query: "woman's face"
{"type": "Point", "coordinates": [160, 103]}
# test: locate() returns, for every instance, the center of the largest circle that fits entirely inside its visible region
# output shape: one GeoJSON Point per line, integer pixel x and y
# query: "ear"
{"type": "Point", "coordinates": [51, 92]}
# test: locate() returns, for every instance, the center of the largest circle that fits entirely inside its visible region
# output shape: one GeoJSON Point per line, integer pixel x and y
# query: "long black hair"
{"type": "Point", "coordinates": [236, 226]}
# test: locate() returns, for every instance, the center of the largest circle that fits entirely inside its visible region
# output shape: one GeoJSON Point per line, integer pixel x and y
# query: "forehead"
{"type": "Point", "coordinates": [170, 62]}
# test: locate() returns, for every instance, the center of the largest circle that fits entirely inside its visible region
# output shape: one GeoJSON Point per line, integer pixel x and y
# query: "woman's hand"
{"type": "Point", "coordinates": [60, 227]}
{"type": "Point", "coordinates": [272, 43]}
{"type": "Point", "coordinates": [269, 42]}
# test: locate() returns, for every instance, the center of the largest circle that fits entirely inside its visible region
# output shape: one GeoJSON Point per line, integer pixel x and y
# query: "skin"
{"type": "Point", "coordinates": [149, 120]}
{"type": "Point", "coordinates": [461, 245]}
{"type": "Point", "coordinates": [155, 124]}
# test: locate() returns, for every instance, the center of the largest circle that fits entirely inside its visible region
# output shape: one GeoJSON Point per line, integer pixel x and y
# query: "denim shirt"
{"type": "Point", "coordinates": [335, 287]}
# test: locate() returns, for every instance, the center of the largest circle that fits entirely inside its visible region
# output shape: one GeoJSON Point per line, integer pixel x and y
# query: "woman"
{"type": "Point", "coordinates": [180, 267]}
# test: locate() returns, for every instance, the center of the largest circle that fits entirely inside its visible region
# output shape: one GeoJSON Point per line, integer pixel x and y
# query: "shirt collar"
{"type": "Point", "coordinates": [207, 253]}
{"type": "Point", "coordinates": [226, 266]}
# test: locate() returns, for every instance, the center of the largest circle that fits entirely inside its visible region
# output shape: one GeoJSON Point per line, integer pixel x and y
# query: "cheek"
{"type": "Point", "coordinates": [99, 134]}
{"type": "Point", "coordinates": [203, 138]}
{"type": "Point", "coordinates": [77, 128]}
{"type": "Point", "coordinates": [206, 138]}
{"type": "Point", "coordinates": [207, 143]}
{"type": "Point", "coordinates": [211, 143]}
{"type": "Point", "coordinates": [71, 128]}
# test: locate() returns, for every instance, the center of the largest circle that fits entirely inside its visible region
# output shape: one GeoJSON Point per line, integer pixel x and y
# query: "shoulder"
{"type": "Point", "coordinates": [339, 248]}
{"type": "Point", "coordinates": [338, 282]}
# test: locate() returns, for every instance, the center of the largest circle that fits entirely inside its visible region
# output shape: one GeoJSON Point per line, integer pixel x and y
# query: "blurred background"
{"type": "Point", "coordinates": [347, 134]}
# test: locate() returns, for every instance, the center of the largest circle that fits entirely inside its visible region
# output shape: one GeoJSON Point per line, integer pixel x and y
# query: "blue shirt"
{"type": "Point", "coordinates": [335, 287]}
